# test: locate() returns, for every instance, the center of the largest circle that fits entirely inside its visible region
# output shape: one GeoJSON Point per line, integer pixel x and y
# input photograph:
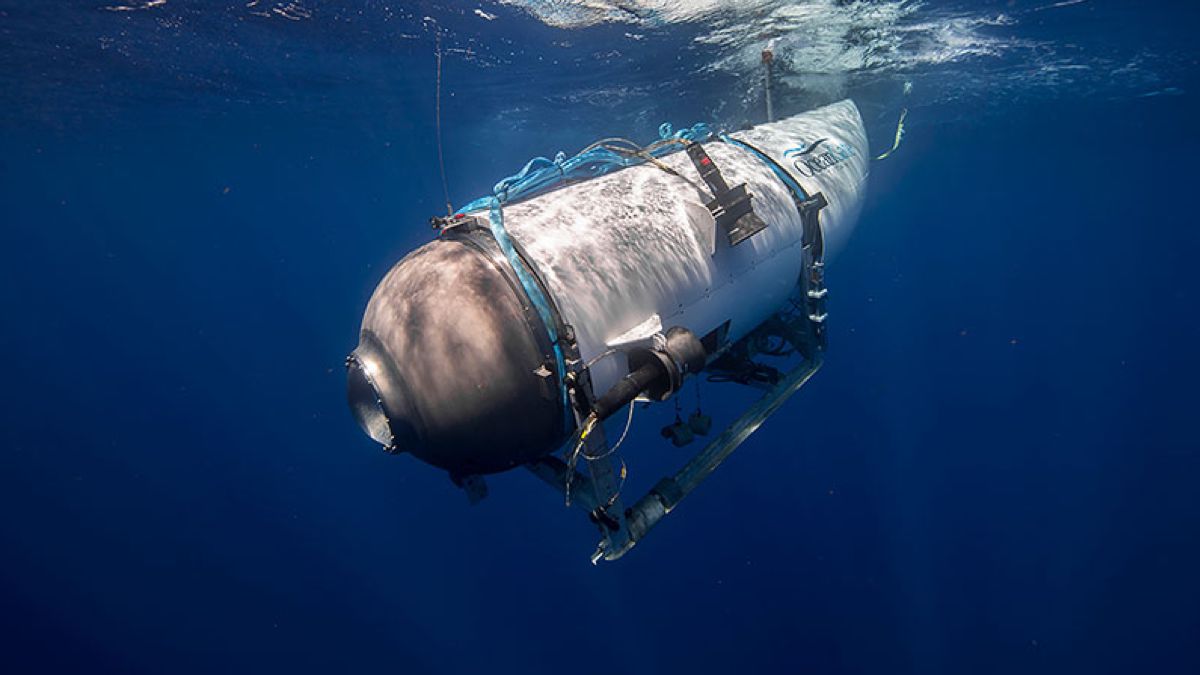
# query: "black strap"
{"type": "Point", "coordinates": [708, 171]}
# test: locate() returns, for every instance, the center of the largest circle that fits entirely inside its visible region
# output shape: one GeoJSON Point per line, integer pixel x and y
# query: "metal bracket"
{"type": "Point", "coordinates": [458, 221]}
{"type": "Point", "coordinates": [730, 207]}
{"type": "Point", "coordinates": [608, 513]}
{"type": "Point", "coordinates": [812, 278]}
{"type": "Point", "coordinates": [597, 493]}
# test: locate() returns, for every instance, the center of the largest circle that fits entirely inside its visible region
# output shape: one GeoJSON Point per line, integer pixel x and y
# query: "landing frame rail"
{"type": "Point", "coordinates": [635, 523]}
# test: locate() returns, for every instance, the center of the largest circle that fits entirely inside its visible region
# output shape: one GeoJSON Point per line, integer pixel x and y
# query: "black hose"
{"type": "Point", "coordinates": [628, 388]}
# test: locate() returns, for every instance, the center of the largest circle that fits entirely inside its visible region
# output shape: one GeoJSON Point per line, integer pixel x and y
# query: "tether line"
{"type": "Point", "coordinates": [438, 122]}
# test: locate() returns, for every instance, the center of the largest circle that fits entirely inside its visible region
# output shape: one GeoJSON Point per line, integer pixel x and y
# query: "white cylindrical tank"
{"type": "Point", "coordinates": [452, 363]}
{"type": "Point", "coordinates": [636, 251]}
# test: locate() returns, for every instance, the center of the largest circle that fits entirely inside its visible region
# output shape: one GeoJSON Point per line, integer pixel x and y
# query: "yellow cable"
{"type": "Point", "coordinates": [899, 135]}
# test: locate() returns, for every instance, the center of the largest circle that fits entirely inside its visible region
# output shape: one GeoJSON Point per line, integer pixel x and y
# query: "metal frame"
{"type": "Point", "coordinates": [598, 492]}
{"type": "Point", "coordinates": [632, 525]}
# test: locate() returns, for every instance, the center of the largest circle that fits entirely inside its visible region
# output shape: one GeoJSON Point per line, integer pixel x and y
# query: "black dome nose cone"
{"type": "Point", "coordinates": [449, 365]}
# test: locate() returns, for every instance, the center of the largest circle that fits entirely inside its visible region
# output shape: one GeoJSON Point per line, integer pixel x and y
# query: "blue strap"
{"type": "Point", "coordinates": [797, 192]}
{"type": "Point", "coordinates": [532, 290]}
{"type": "Point", "coordinates": [541, 174]}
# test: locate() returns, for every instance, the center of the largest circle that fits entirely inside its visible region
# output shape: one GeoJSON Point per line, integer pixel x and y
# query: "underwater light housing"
{"type": "Point", "coordinates": [545, 308]}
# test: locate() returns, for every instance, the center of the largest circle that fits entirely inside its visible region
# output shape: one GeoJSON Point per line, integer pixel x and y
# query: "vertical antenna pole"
{"type": "Point", "coordinates": [768, 57]}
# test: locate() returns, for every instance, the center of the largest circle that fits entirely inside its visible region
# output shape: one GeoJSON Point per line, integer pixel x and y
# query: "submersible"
{"type": "Point", "coordinates": [584, 284]}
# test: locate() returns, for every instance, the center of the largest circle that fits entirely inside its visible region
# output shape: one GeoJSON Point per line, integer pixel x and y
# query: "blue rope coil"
{"type": "Point", "coordinates": [540, 173]}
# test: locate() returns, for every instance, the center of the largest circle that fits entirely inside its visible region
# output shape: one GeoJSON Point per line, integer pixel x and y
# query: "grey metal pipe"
{"type": "Point", "coordinates": [768, 58]}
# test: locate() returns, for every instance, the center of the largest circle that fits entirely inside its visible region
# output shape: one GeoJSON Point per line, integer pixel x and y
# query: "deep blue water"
{"type": "Point", "coordinates": [995, 472]}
